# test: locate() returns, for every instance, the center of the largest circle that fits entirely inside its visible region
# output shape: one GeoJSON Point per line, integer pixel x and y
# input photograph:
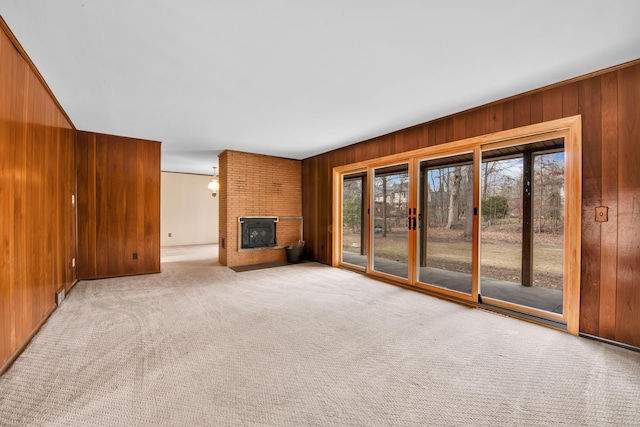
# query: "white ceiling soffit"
{"type": "Point", "coordinates": [298, 78]}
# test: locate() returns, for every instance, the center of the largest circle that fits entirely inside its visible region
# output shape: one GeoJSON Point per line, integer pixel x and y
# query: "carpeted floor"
{"type": "Point", "coordinates": [303, 345]}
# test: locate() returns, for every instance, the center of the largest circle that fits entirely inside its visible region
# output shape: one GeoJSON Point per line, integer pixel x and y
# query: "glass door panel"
{"type": "Point", "coordinates": [354, 247]}
{"type": "Point", "coordinates": [501, 228]}
{"type": "Point", "coordinates": [389, 221]}
{"type": "Point", "coordinates": [522, 223]}
{"type": "Point", "coordinates": [446, 223]}
{"type": "Point", "coordinates": [548, 224]}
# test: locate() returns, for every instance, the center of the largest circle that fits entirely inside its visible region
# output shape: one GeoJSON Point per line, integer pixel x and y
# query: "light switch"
{"type": "Point", "coordinates": [602, 214]}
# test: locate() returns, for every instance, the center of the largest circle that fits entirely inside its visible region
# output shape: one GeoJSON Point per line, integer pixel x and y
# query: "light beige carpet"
{"type": "Point", "coordinates": [304, 345]}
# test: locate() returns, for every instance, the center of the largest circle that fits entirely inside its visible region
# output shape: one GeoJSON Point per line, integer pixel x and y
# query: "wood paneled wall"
{"type": "Point", "coordinates": [118, 205]}
{"type": "Point", "coordinates": [37, 218]}
{"type": "Point", "coordinates": [609, 103]}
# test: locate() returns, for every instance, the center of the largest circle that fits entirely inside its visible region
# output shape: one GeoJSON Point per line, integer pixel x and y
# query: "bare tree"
{"type": "Point", "coordinates": [468, 224]}
{"type": "Point", "coordinates": [402, 197]}
{"type": "Point", "coordinates": [454, 195]}
{"type": "Point", "coordinates": [548, 187]}
{"type": "Point", "coordinates": [437, 182]}
{"type": "Point", "coordinates": [384, 206]}
{"type": "Point", "coordinates": [440, 206]}
{"type": "Point", "coordinates": [488, 170]}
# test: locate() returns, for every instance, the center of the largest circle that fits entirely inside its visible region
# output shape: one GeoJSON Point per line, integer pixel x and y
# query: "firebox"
{"type": "Point", "coordinates": [258, 232]}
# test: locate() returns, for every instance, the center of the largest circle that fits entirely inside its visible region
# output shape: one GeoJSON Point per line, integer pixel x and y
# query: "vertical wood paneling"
{"type": "Point", "coordinates": [67, 172]}
{"type": "Point", "coordinates": [459, 127]}
{"type": "Point", "coordinates": [19, 239]}
{"type": "Point", "coordinates": [591, 197]}
{"type": "Point", "coordinates": [325, 189]}
{"type": "Point", "coordinates": [610, 300]}
{"type": "Point", "coordinates": [422, 137]}
{"type": "Point", "coordinates": [571, 99]}
{"type": "Point", "coordinates": [476, 123]}
{"type": "Point", "coordinates": [552, 104]}
{"type": "Point", "coordinates": [36, 141]}
{"type": "Point", "coordinates": [118, 205]}
{"type": "Point", "coordinates": [507, 115]}
{"type": "Point", "coordinates": [443, 131]}
{"type": "Point", "coordinates": [537, 108]}
{"type": "Point", "coordinates": [609, 190]}
{"type": "Point", "coordinates": [85, 264]}
{"type": "Point", "coordinates": [522, 111]}
{"type": "Point", "coordinates": [100, 196]}
{"type": "Point", "coordinates": [149, 191]}
{"type": "Point", "coordinates": [628, 275]}
{"type": "Point", "coordinates": [495, 118]}
{"type": "Point", "coordinates": [7, 328]}
{"type": "Point", "coordinates": [411, 140]}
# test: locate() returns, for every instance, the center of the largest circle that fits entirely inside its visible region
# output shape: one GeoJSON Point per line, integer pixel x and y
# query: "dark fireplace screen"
{"type": "Point", "coordinates": [258, 232]}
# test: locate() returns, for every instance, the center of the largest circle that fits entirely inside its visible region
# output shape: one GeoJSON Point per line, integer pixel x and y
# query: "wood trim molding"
{"type": "Point", "coordinates": [573, 219]}
{"type": "Point", "coordinates": [25, 56]}
{"type": "Point", "coordinates": [475, 238]}
{"type": "Point", "coordinates": [336, 253]}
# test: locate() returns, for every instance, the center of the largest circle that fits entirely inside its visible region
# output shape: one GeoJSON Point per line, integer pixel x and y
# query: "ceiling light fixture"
{"type": "Point", "coordinates": [214, 184]}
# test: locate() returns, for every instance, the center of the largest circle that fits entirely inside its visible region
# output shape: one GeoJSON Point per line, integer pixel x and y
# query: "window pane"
{"type": "Point", "coordinates": [501, 224]}
{"type": "Point", "coordinates": [522, 223]}
{"type": "Point", "coordinates": [548, 220]}
{"type": "Point", "coordinates": [353, 242]}
{"type": "Point", "coordinates": [389, 221]}
{"type": "Point", "coordinates": [446, 245]}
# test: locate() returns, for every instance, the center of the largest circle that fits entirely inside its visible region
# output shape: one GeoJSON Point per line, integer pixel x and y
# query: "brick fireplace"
{"type": "Point", "coordinates": [258, 186]}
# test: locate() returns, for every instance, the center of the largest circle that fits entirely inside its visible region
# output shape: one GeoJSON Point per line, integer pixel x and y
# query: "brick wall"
{"type": "Point", "coordinates": [257, 185]}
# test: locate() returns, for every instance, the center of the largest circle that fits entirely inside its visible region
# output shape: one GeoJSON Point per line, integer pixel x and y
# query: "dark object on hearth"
{"type": "Point", "coordinates": [295, 252]}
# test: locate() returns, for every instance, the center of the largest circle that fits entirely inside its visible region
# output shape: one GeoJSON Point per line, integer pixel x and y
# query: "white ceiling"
{"type": "Point", "coordinates": [295, 78]}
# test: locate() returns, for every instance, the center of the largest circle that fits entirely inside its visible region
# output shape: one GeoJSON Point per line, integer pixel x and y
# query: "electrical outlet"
{"type": "Point", "coordinates": [602, 214]}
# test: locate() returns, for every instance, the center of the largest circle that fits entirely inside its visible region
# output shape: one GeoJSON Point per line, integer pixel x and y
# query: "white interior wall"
{"type": "Point", "coordinates": [187, 211]}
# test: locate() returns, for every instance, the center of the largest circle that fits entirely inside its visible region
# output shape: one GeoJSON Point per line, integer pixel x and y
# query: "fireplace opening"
{"type": "Point", "coordinates": [258, 232]}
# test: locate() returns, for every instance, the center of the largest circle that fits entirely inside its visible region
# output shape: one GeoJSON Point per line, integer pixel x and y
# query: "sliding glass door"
{"type": "Point", "coordinates": [523, 190]}
{"type": "Point", "coordinates": [390, 221]}
{"type": "Point", "coordinates": [483, 220]}
{"type": "Point", "coordinates": [354, 226]}
{"type": "Point", "coordinates": [446, 223]}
